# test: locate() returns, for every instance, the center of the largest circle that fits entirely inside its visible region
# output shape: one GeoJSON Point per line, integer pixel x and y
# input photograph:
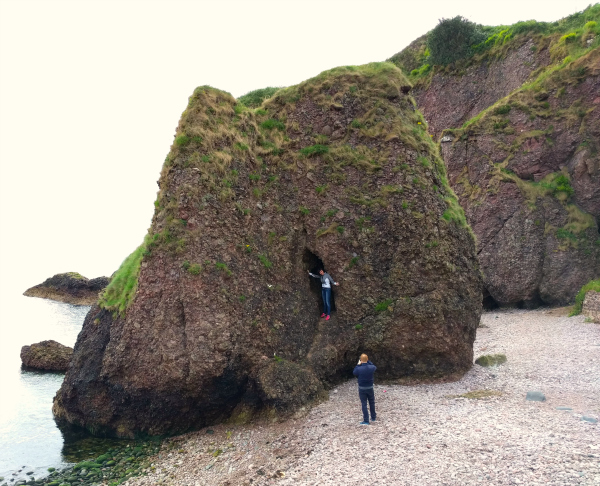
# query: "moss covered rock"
{"type": "Point", "coordinates": [46, 355]}
{"type": "Point", "coordinates": [491, 360]}
{"type": "Point", "coordinates": [215, 309]}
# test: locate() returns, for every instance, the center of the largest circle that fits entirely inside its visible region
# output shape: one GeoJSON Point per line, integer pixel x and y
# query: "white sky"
{"type": "Point", "coordinates": [91, 93]}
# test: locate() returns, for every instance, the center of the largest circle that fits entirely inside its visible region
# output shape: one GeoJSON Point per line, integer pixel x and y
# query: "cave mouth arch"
{"type": "Point", "coordinates": [313, 264]}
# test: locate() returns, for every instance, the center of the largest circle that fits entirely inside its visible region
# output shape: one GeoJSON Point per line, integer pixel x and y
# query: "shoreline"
{"type": "Point", "coordinates": [58, 296]}
{"type": "Point", "coordinates": [427, 433]}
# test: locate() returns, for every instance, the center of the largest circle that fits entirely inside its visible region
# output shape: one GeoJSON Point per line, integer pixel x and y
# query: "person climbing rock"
{"type": "Point", "coordinates": [365, 371]}
{"type": "Point", "coordinates": [326, 282]}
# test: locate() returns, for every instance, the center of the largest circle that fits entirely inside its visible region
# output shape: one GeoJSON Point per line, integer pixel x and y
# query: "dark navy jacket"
{"type": "Point", "coordinates": [364, 372]}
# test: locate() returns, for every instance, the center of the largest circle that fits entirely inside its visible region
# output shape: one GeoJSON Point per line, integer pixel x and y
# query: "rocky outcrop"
{"type": "Point", "coordinates": [591, 306]}
{"type": "Point", "coordinates": [449, 100]}
{"type": "Point", "coordinates": [527, 173]}
{"type": "Point", "coordinates": [215, 315]}
{"type": "Point", "coordinates": [518, 124]}
{"type": "Point", "coordinates": [70, 287]}
{"type": "Point", "coordinates": [47, 356]}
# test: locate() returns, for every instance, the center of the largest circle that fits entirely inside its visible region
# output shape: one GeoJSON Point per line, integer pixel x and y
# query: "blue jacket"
{"type": "Point", "coordinates": [364, 372]}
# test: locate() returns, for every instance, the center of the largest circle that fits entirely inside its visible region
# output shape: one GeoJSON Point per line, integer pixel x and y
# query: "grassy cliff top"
{"type": "Point", "coordinates": [570, 36]}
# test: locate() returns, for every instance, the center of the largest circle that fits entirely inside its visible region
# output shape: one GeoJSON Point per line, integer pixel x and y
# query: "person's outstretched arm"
{"type": "Point", "coordinates": [331, 279]}
{"type": "Point", "coordinates": [313, 275]}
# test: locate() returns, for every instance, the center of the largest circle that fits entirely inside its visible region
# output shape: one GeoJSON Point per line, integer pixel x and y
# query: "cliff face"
{"type": "Point", "coordinates": [451, 99]}
{"type": "Point", "coordinates": [518, 125]}
{"type": "Point", "coordinates": [215, 314]}
{"type": "Point", "coordinates": [69, 287]}
{"type": "Point", "coordinates": [527, 173]}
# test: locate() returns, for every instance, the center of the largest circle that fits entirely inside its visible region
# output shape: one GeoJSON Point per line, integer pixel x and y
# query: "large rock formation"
{"type": "Point", "coordinates": [46, 355]}
{"type": "Point", "coordinates": [525, 165]}
{"type": "Point", "coordinates": [527, 173]}
{"type": "Point", "coordinates": [215, 314]}
{"type": "Point", "coordinates": [69, 287]}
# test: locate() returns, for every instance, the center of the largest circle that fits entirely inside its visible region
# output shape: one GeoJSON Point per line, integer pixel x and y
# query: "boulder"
{"type": "Point", "coordinates": [591, 306]}
{"type": "Point", "coordinates": [491, 360]}
{"type": "Point", "coordinates": [46, 355]}
{"type": "Point", "coordinates": [70, 287]}
{"type": "Point", "coordinates": [178, 338]}
{"type": "Point", "coordinates": [535, 396]}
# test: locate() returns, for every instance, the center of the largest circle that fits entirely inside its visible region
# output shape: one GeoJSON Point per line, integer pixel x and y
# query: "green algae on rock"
{"type": "Point", "coordinates": [338, 172]}
{"type": "Point", "coordinates": [491, 360]}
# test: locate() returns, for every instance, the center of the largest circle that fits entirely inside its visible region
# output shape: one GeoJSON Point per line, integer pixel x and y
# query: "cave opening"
{"type": "Point", "coordinates": [313, 264]}
{"type": "Point", "coordinates": [489, 303]}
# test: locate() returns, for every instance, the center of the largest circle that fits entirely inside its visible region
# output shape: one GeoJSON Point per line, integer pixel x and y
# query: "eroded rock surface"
{"type": "Point", "coordinates": [223, 318]}
{"type": "Point", "coordinates": [46, 355]}
{"type": "Point", "coordinates": [450, 99]}
{"type": "Point", "coordinates": [528, 175]}
{"type": "Point", "coordinates": [69, 287]}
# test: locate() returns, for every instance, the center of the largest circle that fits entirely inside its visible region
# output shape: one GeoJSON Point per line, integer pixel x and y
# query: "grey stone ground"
{"type": "Point", "coordinates": [423, 437]}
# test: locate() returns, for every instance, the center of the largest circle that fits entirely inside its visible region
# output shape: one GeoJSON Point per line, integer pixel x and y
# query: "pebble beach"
{"type": "Point", "coordinates": [477, 430]}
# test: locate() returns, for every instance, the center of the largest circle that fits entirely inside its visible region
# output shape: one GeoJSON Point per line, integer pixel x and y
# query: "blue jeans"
{"type": "Point", "coordinates": [369, 395]}
{"type": "Point", "coordinates": [326, 295]}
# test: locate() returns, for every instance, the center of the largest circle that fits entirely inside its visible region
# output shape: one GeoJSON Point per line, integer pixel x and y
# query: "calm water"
{"type": "Point", "coordinates": [28, 435]}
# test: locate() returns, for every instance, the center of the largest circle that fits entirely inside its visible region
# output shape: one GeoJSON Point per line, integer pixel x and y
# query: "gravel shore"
{"type": "Point", "coordinates": [424, 435]}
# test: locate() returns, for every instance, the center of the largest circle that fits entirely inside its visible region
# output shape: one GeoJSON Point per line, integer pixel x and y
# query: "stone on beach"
{"type": "Point", "coordinates": [535, 396]}
{"type": "Point", "coordinates": [491, 360]}
{"type": "Point", "coordinates": [591, 306]}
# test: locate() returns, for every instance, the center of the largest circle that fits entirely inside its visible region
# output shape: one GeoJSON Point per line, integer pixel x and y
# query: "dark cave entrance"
{"type": "Point", "coordinates": [489, 303]}
{"type": "Point", "coordinates": [313, 264]}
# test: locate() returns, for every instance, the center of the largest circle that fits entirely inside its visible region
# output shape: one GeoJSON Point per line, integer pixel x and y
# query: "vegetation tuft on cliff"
{"type": "Point", "coordinates": [455, 44]}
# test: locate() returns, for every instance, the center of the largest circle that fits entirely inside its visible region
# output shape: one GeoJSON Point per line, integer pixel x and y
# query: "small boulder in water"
{"type": "Point", "coordinates": [46, 355]}
{"type": "Point", "coordinates": [70, 287]}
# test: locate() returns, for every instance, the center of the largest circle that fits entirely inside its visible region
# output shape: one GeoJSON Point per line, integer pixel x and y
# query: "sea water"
{"type": "Point", "coordinates": [29, 437]}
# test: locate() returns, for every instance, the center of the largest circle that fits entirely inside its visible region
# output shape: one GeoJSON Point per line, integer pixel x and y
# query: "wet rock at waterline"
{"type": "Point", "coordinates": [249, 201]}
{"type": "Point", "coordinates": [46, 355]}
{"type": "Point", "coordinates": [70, 287]}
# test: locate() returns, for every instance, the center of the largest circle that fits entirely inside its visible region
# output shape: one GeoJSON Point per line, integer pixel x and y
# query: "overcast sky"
{"type": "Point", "coordinates": [91, 93]}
